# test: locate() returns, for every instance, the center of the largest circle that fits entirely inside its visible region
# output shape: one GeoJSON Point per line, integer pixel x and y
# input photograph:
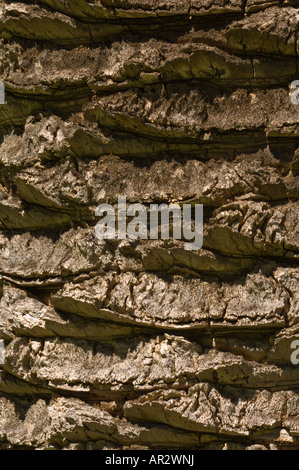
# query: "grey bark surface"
{"type": "Point", "coordinates": [123, 344]}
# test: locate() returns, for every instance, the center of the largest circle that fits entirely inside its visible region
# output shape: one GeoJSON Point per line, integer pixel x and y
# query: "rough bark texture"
{"type": "Point", "coordinates": [142, 344]}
